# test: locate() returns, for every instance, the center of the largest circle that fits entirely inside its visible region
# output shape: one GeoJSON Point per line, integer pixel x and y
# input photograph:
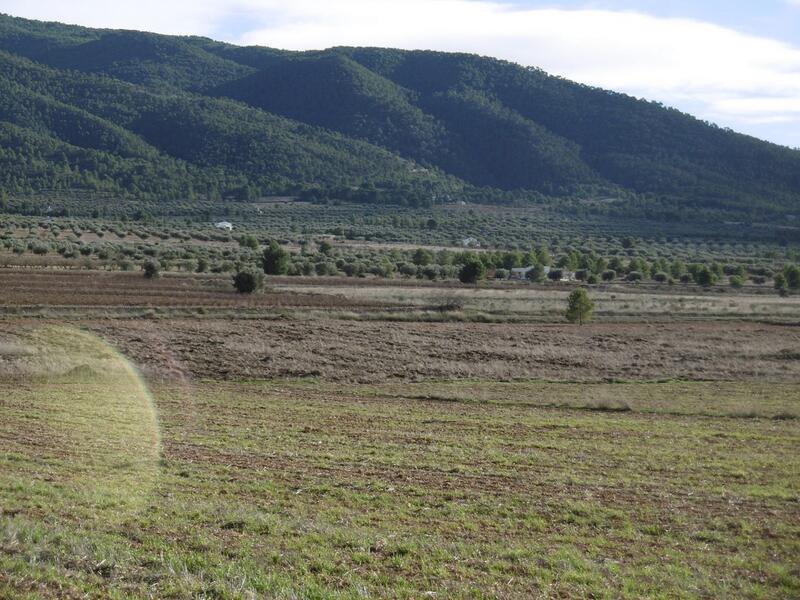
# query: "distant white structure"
{"type": "Point", "coordinates": [470, 242]}
{"type": "Point", "coordinates": [227, 226]}
{"type": "Point", "coordinates": [568, 276]}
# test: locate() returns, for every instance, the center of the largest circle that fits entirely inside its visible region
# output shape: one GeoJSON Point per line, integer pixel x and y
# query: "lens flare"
{"type": "Point", "coordinates": [78, 411]}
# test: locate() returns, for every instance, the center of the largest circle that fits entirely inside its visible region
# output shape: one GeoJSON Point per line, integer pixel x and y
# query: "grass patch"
{"type": "Point", "coordinates": [306, 489]}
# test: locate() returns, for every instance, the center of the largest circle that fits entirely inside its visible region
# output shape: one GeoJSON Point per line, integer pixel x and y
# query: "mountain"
{"type": "Point", "coordinates": [163, 117]}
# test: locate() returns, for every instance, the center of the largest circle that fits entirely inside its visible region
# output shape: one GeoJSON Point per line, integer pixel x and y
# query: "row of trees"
{"type": "Point", "coordinates": [470, 267]}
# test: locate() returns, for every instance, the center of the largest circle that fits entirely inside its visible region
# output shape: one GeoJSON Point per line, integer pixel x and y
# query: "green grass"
{"type": "Point", "coordinates": [302, 489]}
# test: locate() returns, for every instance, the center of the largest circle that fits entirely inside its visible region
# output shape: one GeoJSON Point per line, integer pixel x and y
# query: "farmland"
{"type": "Point", "coordinates": [390, 435]}
{"type": "Point", "coordinates": [357, 323]}
{"type": "Point", "coordinates": [298, 488]}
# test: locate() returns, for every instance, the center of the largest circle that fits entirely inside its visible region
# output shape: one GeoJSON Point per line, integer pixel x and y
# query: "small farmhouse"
{"type": "Point", "coordinates": [224, 225]}
{"type": "Point", "coordinates": [568, 276]}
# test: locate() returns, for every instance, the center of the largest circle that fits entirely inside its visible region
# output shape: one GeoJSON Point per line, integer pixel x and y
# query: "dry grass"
{"type": "Point", "coordinates": [373, 351]}
{"type": "Point", "coordinates": [527, 302]}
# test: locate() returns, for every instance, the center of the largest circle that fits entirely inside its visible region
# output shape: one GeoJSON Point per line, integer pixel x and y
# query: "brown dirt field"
{"type": "Point", "coordinates": [37, 287]}
{"type": "Point", "coordinates": [375, 351]}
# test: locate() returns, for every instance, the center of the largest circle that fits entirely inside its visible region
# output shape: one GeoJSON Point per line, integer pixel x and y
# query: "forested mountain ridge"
{"type": "Point", "coordinates": [164, 117]}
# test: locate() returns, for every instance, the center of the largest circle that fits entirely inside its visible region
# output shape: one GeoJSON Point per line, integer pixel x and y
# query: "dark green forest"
{"type": "Point", "coordinates": [162, 118]}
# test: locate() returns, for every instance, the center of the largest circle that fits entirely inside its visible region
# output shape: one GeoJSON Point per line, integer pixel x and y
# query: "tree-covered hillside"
{"type": "Point", "coordinates": [155, 116]}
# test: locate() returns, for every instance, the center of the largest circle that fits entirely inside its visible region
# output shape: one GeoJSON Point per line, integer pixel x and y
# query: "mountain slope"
{"type": "Point", "coordinates": [373, 124]}
{"type": "Point", "coordinates": [213, 146]}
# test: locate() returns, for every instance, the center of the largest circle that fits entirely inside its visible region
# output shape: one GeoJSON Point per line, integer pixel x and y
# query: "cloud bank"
{"type": "Point", "coordinates": [746, 82]}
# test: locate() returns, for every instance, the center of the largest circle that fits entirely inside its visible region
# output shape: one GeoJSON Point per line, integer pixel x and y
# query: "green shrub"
{"type": "Point", "coordinates": [704, 276]}
{"type": "Point", "coordinates": [152, 269]}
{"type": "Point", "coordinates": [249, 241]}
{"type": "Point", "coordinates": [634, 276]}
{"type": "Point", "coordinates": [275, 259]}
{"type": "Point", "coordinates": [472, 271]}
{"type": "Point", "coordinates": [248, 281]}
{"type": "Point", "coordinates": [609, 275]}
{"type": "Point", "coordinates": [791, 274]}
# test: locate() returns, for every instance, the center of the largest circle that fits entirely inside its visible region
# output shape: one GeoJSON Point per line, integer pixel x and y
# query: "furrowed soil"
{"type": "Point", "coordinates": [36, 287]}
{"type": "Point", "coordinates": [374, 351]}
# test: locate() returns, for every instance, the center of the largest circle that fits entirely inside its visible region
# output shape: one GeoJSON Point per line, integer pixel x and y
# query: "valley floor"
{"type": "Point", "coordinates": [297, 489]}
{"type": "Point", "coordinates": [335, 450]}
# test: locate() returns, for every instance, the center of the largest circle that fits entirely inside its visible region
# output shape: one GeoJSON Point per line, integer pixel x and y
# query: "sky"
{"type": "Point", "coordinates": [732, 62]}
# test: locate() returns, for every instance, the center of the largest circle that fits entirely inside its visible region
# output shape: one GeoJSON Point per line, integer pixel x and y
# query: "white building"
{"type": "Point", "coordinates": [224, 225]}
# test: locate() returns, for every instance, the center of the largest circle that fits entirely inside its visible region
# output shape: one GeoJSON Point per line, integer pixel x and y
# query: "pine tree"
{"type": "Point", "coordinates": [579, 307]}
{"type": "Point", "coordinates": [276, 259]}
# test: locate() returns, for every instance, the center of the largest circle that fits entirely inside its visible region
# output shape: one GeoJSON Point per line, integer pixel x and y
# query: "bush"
{"type": "Point", "coordinates": [472, 271]}
{"type": "Point", "coordinates": [249, 241]}
{"type": "Point", "coordinates": [152, 269]}
{"type": "Point", "coordinates": [660, 277]}
{"type": "Point", "coordinates": [791, 274]}
{"type": "Point", "coordinates": [422, 257]}
{"type": "Point", "coordinates": [609, 275]}
{"type": "Point", "coordinates": [555, 274]}
{"type": "Point", "coordinates": [579, 307]}
{"type": "Point", "coordinates": [634, 276]}
{"type": "Point", "coordinates": [736, 281]}
{"type": "Point", "coordinates": [704, 276]}
{"type": "Point", "coordinates": [276, 259]}
{"type": "Point", "coordinates": [248, 281]}
{"type": "Point", "coordinates": [450, 303]}
{"type": "Point", "coordinates": [536, 273]}
{"type": "Point", "coordinates": [407, 269]}
{"type": "Point", "coordinates": [779, 282]}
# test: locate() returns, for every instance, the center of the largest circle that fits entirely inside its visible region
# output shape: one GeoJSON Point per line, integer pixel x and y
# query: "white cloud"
{"type": "Point", "coordinates": [179, 18]}
{"type": "Point", "coordinates": [736, 79]}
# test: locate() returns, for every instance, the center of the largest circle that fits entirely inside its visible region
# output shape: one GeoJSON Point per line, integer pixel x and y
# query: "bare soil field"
{"type": "Point", "coordinates": [39, 287]}
{"type": "Point", "coordinates": [374, 351]}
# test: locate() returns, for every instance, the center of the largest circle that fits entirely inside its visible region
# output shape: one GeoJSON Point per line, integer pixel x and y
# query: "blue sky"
{"type": "Point", "coordinates": [735, 63]}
